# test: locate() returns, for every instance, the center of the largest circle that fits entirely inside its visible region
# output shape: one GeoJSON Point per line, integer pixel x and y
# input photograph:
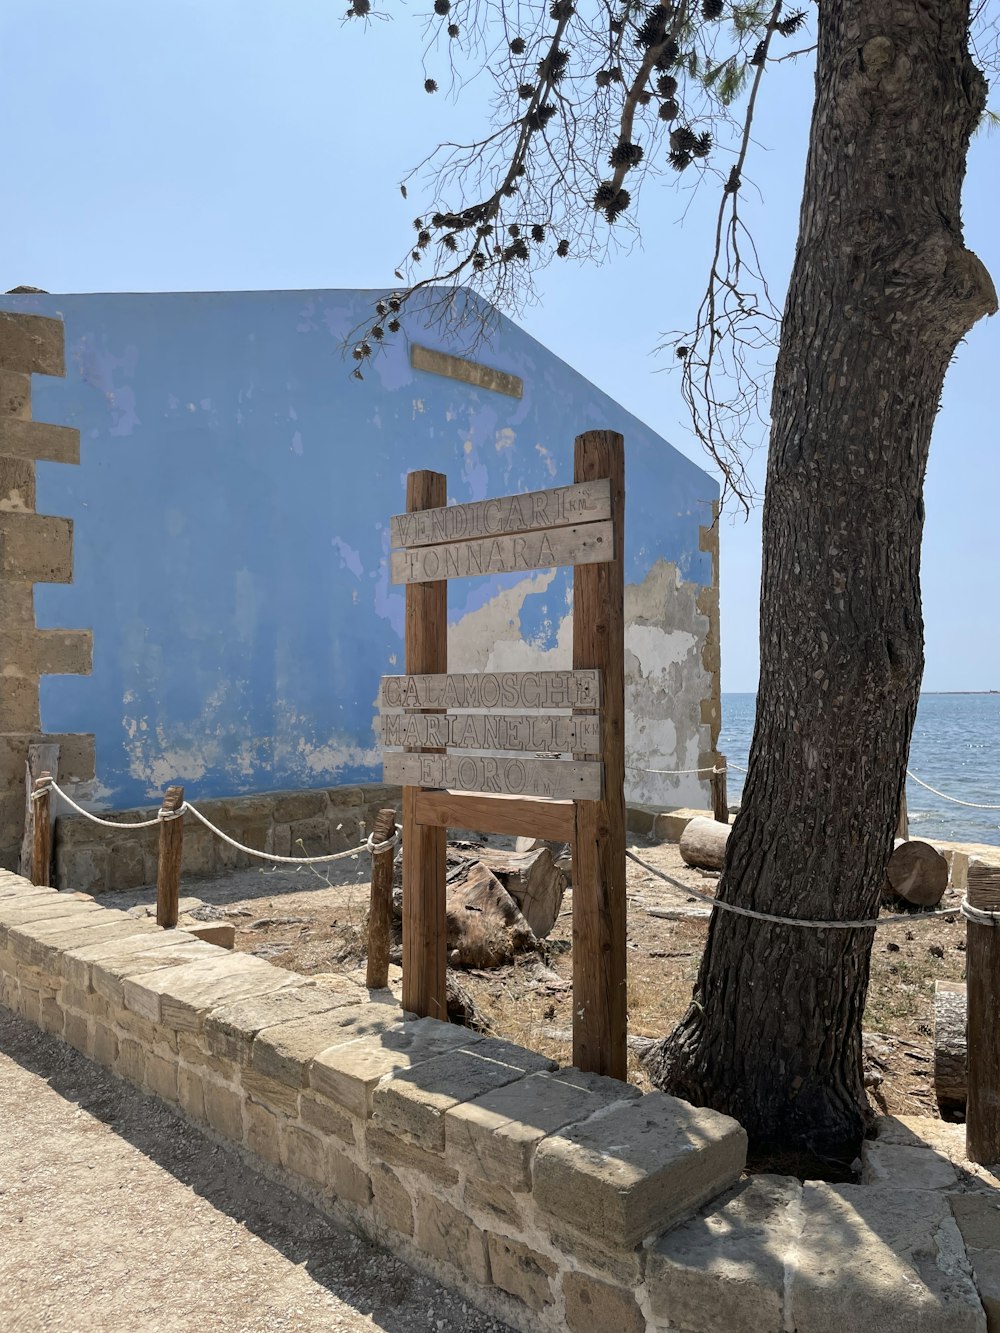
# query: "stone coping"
{"type": "Point", "coordinates": [552, 1198]}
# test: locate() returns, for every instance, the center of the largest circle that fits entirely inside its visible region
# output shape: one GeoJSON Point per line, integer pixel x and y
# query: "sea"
{"type": "Point", "coordinates": [955, 749]}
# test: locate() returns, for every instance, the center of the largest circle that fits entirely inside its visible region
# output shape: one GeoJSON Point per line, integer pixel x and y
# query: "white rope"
{"type": "Point", "coordinates": [671, 772]}
{"type": "Point", "coordinates": [978, 914]}
{"type": "Point", "coordinates": [285, 860]}
{"type": "Point", "coordinates": [786, 920]}
{"type": "Point", "coordinates": [972, 805]}
{"type": "Point", "coordinates": [105, 823]}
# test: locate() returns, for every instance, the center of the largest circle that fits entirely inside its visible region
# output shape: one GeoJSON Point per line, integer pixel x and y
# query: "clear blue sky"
{"type": "Point", "coordinates": [227, 144]}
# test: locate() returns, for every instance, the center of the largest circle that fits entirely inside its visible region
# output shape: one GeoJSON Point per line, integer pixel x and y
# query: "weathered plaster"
{"type": "Point", "coordinates": [231, 513]}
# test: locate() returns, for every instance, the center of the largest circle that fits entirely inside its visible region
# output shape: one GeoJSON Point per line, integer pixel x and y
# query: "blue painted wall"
{"type": "Point", "coordinates": [231, 523]}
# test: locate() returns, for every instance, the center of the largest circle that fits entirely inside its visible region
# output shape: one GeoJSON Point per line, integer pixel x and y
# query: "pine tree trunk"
{"type": "Point", "coordinates": [881, 292]}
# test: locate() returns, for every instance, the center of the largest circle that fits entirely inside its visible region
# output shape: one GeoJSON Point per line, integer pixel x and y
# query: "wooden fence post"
{"type": "Point", "coordinates": [168, 870]}
{"type": "Point", "coordinates": [720, 801]}
{"type": "Point", "coordinates": [380, 907]}
{"type": "Point", "coordinates": [982, 963]}
{"type": "Point", "coordinates": [41, 836]}
{"type": "Point", "coordinates": [903, 818]}
{"type": "Point", "coordinates": [43, 757]}
{"type": "Point", "coordinates": [600, 1014]}
{"type": "Point", "coordinates": [425, 931]}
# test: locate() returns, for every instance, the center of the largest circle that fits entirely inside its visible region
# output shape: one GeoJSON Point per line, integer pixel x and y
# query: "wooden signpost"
{"type": "Point", "coordinates": [477, 751]}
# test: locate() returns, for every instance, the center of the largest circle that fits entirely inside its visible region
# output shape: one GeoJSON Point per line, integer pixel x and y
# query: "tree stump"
{"type": "Point", "coordinates": [533, 880]}
{"type": "Point", "coordinates": [485, 924]}
{"type": "Point", "coordinates": [917, 873]}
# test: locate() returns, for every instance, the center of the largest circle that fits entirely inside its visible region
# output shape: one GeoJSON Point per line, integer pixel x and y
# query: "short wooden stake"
{"type": "Point", "coordinates": [720, 801]}
{"type": "Point", "coordinates": [903, 818]}
{"type": "Point", "coordinates": [41, 837]}
{"type": "Point", "coordinates": [168, 873]}
{"type": "Point", "coordinates": [982, 963]}
{"type": "Point", "coordinates": [380, 907]}
{"type": "Point", "coordinates": [600, 1012]}
{"type": "Point", "coordinates": [425, 933]}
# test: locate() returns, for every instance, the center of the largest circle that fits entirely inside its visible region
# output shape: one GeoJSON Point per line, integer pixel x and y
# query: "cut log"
{"type": "Point", "coordinates": [462, 1008]}
{"type": "Point", "coordinates": [533, 880]}
{"type": "Point", "coordinates": [917, 873]}
{"type": "Point", "coordinates": [950, 1051]}
{"type": "Point", "coordinates": [703, 843]}
{"type": "Point", "coordinates": [485, 924]}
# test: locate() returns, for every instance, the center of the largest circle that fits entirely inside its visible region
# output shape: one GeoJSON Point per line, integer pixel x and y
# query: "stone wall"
{"type": "Point", "coordinates": [34, 548]}
{"type": "Point", "coordinates": [554, 1199]}
{"type": "Point", "coordinates": [94, 859]}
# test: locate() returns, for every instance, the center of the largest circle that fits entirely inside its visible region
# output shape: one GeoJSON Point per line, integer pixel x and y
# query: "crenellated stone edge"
{"type": "Point", "coordinates": [34, 548]}
{"type": "Point", "coordinates": [553, 1199]}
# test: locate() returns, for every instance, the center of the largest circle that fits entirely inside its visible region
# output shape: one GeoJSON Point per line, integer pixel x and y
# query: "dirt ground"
{"type": "Point", "coordinates": [117, 1216]}
{"type": "Point", "coordinates": [312, 920]}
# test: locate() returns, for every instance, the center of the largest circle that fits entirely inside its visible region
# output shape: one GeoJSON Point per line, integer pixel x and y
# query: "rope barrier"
{"type": "Point", "coordinates": [162, 816]}
{"type": "Point", "coordinates": [972, 805]}
{"type": "Point", "coordinates": [791, 920]}
{"type": "Point", "coordinates": [978, 915]}
{"type": "Point", "coordinates": [672, 772]}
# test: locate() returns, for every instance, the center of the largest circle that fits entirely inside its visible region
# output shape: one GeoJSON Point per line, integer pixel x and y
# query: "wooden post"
{"type": "Point", "coordinates": [43, 757]}
{"type": "Point", "coordinates": [599, 981]}
{"type": "Point", "coordinates": [720, 801]}
{"type": "Point", "coordinates": [41, 839]}
{"type": "Point", "coordinates": [903, 819]}
{"type": "Point", "coordinates": [380, 907]}
{"type": "Point", "coordinates": [168, 871]}
{"type": "Point", "coordinates": [982, 962]}
{"type": "Point", "coordinates": [424, 848]}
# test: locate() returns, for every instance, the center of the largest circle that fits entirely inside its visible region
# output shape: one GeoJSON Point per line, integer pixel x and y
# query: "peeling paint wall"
{"type": "Point", "coordinates": [231, 530]}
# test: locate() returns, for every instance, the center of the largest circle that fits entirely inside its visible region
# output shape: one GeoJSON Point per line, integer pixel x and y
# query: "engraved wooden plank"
{"type": "Point", "coordinates": [548, 733]}
{"type": "Point", "coordinates": [514, 816]}
{"type": "Point", "coordinates": [585, 544]}
{"type": "Point", "coordinates": [562, 506]}
{"type": "Point", "coordinates": [470, 372]}
{"type": "Point", "coordinates": [493, 689]}
{"type": "Point", "coordinates": [557, 778]}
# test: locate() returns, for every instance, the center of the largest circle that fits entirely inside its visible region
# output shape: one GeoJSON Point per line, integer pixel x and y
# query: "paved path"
{"type": "Point", "coordinates": [116, 1216]}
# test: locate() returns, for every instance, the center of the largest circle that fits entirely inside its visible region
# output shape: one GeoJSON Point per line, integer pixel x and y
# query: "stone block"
{"type": "Point", "coordinates": [871, 1258]}
{"type": "Point", "coordinates": [32, 344]}
{"type": "Point", "coordinates": [393, 1207]}
{"type": "Point", "coordinates": [180, 996]}
{"type": "Point", "coordinates": [59, 907]}
{"type": "Point", "coordinates": [592, 1305]}
{"type": "Point", "coordinates": [191, 1093]}
{"type": "Point", "coordinates": [347, 1180]}
{"type": "Point", "coordinates": [310, 837]}
{"type": "Point", "coordinates": [38, 441]}
{"type": "Point", "coordinates": [495, 1202]}
{"type": "Point", "coordinates": [46, 652]}
{"type": "Point", "coordinates": [36, 548]}
{"type": "Point", "coordinates": [978, 1218]}
{"type": "Point", "coordinates": [304, 1153]}
{"type": "Point", "coordinates": [161, 1077]}
{"type": "Point", "coordinates": [414, 1103]}
{"type": "Point", "coordinates": [130, 1062]}
{"type": "Point", "coordinates": [262, 1131]}
{"type": "Point", "coordinates": [219, 933]}
{"type": "Point", "coordinates": [255, 809]}
{"type": "Point", "coordinates": [29, 1003]}
{"type": "Point", "coordinates": [76, 964]}
{"type": "Point", "coordinates": [638, 1169]}
{"type": "Point", "coordinates": [345, 797]}
{"type": "Point", "coordinates": [349, 1073]}
{"type": "Point", "coordinates": [446, 1234]}
{"type": "Point", "coordinates": [224, 1111]}
{"type": "Point", "coordinates": [919, 1131]}
{"type": "Point", "coordinates": [318, 1112]}
{"type": "Point", "coordinates": [109, 973]}
{"type": "Point", "coordinates": [231, 1029]}
{"type": "Point", "coordinates": [291, 807]}
{"type": "Point", "coordinates": [128, 865]}
{"type": "Point", "coordinates": [41, 944]}
{"type": "Point", "coordinates": [521, 1271]}
{"type": "Point", "coordinates": [276, 1096]}
{"type": "Point", "coordinates": [51, 1018]}
{"type": "Point", "coordinates": [17, 496]}
{"type": "Point", "coordinates": [284, 1052]}
{"type": "Point", "coordinates": [88, 868]}
{"type": "Point", "coordinates": [77, 1032]}
{"type": "Point", "coordinates": [384, 1146]}
{"type": "Point", "coordinates": [15, 394]}
{"type": "Point", "coordinates": [725, 1268]}
{"type": "Point", "coordinates": [905, 1166]}
{"type": "Point", "coordinates": [105, 1044]}
{"type": "Point", "coordinates": [18, 697]}
{"type": "Point", "coordinates": [495, 1136]}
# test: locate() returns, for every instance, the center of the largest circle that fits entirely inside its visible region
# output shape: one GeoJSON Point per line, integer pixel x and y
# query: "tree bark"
{"type": "Point", "coordinates": [881, 292]}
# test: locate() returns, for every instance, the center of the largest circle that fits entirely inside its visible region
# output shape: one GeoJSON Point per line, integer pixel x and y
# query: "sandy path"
{"type": "Point", "coordinates": [117, 1215]}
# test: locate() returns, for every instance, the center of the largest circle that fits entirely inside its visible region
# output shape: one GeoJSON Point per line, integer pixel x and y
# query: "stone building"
{"type": "Point", "coordinates": [199, 492]}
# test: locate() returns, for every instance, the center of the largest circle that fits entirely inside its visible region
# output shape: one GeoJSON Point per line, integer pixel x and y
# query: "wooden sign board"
{"type": "Point", "coordinates": [493, 689]}
{"type": "Point", "coordinates": [563, 506]}
{"type": "Point", "coordinates": [554, 778]}
{"type": "Point", "coordinates": [586, 544]}
{"type": "Point", "coordinates": [541, 733]}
